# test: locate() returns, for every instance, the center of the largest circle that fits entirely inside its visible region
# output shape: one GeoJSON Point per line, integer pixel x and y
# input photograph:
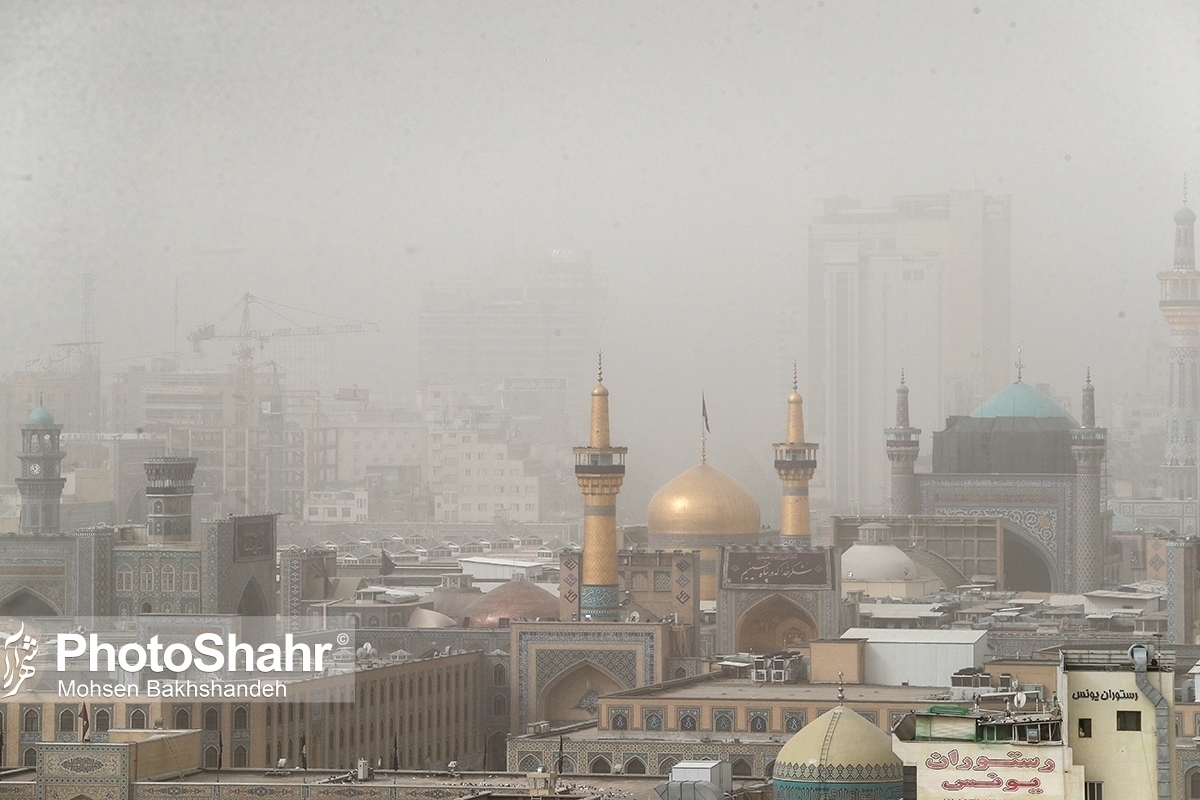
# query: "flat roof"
{"type": "Point", "coordinates": [744, 688]}
{"type": "Point", "coordinates": [900, 610]}
{"type": "Point", "coordinates": [915, 636]}
{"type": "Point", "coordinates": [499, 562]}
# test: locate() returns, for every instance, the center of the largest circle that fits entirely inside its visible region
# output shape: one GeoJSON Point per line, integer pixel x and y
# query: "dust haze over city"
{"type": "Point", "coordinates": [344, 158]}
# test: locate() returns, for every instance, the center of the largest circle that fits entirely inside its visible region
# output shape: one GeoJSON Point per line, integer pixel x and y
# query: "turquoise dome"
{"type": "Point", "coordinates": [1020, 400]}
{"type": "Point", "coordinates": [1185, 216]}
{"type": "Point", "coordinates": [40, 418]}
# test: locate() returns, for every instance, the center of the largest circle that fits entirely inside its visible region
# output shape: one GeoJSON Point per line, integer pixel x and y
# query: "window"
{"type": "Point", "coordinates": [30, 757]}
{"type": "Point", "coordinates": [124, 578]}
{"type": "Point", "coordinates": [499, 705]}
{"type": "Point", "coordinates": [1193, 785]}
{"type": "Point", "coordinates": [1093, 790]}
{"type": "Point", "coordinates": [147, 582]}
{"type": "Point", "coordinates": [137, 719]}
{"type": "Point", "coordinates": [103, 720]}
{"type": "Point", "coordinates": [183, 719]}
{"type": "Point", "coordinates": [167, 578]}
{"type": "Point", "coordinates": [662, 581]}
{"type": "Point", "coordinates": [32, 721]}
{"type": "Point", "coordinates": [66, 721]}
{"type": "Point", "coordinates": [1085, 728]}
{"type": "Point", "coordinates": [212, 720]}
{"type": "Point", "coordinates": [1129, 721]}
{"type": "Point", "coordinates": [240, 719]}
{"type": "Point", "coordinates": [499, 675]}
{"type": "Point", "coordinates": [191, 579]}
{"type": "Point", "coordinates": [239, 756]}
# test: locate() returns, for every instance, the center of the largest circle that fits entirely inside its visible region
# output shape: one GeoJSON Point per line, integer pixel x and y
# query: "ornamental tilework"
{"type": "Point", "coordinates": [576, 640]}
{"type": "Point", "coordinates": [655, 754]}
{"type": "Point", "coordinates": [551, 663]}
{"type": "Point", "coordinates": [839, 772]}
{"type": "Point", "coordinates": [1043, 507]}
{"type": "Point", "coordinates": [732, 605]}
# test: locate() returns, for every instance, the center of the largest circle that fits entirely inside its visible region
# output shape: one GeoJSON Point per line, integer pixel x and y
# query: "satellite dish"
{"type": "Point", "coordinates": [1019, 700]}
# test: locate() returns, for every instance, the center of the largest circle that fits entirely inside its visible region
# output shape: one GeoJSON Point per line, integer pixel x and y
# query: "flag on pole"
{"type": "Point", "coordinates": [220, 750]}
{"type": "Point", "coordinates": [85, 722]}
{"type": "Point", "coordinates": [704, 413]}
{"type": "Point", "coordinates": [395, 752]}
{"type": "Point", "coordinates": [303, 754]}
{"type": "Point", "coordinates": [386, 566]}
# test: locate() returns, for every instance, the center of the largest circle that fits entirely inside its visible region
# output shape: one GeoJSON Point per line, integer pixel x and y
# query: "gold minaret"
{"type": "Point", "coordinates": [795, 461]}
{"type": "Point", "coordinates": [599, 468]}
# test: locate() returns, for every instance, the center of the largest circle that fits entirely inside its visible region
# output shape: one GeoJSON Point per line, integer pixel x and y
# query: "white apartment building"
{"type": "Point", "coordinates": [365, 447]}
{"type": "Point", "coordinates": [476, 479]}
{"type": "Point", "coordinates": [346, 505]}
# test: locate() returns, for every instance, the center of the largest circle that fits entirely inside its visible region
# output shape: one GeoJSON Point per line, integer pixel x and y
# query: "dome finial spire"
{"type": "Point", "coordinates": [704, 430]}
{"type": "Point", "coordinates": [599, 366]}
{"type": "Point", "coordinates": [1019, 365]}
{"type": "Point", "coordinates": [795, 379]}
{"type": "Point", "coordinates": [841, 689]}
{"type": "Point", "coordinates": [902, 376]}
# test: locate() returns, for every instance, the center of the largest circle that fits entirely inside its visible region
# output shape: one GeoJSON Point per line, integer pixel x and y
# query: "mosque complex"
{"type": "Point", "coordinates": [643, 655]}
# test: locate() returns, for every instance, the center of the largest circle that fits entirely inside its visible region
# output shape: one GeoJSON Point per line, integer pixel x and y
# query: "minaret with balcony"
{"type": "Point", "coordinates": [795, 463]}
{"type": "Point", "coordinates": [600, 470]}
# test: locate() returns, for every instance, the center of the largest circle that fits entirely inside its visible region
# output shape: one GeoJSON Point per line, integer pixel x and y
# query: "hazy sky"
{"type": "Point", "coordinates": [341, 155]}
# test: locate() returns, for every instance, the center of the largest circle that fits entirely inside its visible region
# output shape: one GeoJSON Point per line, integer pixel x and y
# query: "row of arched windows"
{"type": "Point", "coordinates": [67, 721]}
{"type": "Point", "coordinates": [636, 766]}
{"type": "Point", "coordinates": [165, 579]}
{"type": "Point", "coordinates": [212, 718]}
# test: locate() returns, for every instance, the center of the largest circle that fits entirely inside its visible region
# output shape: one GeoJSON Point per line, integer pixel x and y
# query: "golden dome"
{"type": "Point", "coordinates": [703, 501]}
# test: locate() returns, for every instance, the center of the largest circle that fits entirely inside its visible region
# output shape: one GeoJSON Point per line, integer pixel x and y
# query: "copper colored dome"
{"type": "Point", "coordinates": [514, 600]}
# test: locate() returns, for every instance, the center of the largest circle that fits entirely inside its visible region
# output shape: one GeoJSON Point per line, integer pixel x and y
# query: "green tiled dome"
{"type": "Point", "coordinates": [40, 418]}
{"type": "Point", "coordinates": [1019, 400]}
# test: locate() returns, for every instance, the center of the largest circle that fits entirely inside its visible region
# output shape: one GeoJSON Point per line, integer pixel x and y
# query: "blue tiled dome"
{"type": "Point", "coordinates": [40, 418]}
{"type": "Point", "coordinates": [1185, 216]}
{"type": "Point", "coordinates": [1019, 400]}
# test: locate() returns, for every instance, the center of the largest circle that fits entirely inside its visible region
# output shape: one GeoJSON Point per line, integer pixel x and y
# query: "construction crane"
{"type": "Point", "coordinates": [247, 336]}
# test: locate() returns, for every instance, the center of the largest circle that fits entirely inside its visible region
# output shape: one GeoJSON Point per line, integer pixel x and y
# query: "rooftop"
{"type": "Point", "coordinates": [915, 636]}
{"type": "Point", "coordinates": [744, 688]}
{"type": "Point", "coordinates": [1019, 400]}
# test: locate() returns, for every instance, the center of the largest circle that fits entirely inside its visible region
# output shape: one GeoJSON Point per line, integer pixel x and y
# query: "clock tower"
{"type": "Point", "coordinates": [40, 483]}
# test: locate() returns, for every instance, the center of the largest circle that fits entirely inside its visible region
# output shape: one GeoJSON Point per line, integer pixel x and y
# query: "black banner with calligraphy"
{"type": "Point", "coordinates": [253, 538]}
{"type": "Point", "coordinates": [747, 568]}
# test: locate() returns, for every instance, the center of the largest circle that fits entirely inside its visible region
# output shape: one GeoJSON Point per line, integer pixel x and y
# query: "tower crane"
{"type": "Point", "coordinates": [248, 335]}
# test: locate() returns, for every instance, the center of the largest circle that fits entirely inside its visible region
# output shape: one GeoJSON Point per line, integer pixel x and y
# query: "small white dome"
{"type": "Point", "coordinates": [877, 562]}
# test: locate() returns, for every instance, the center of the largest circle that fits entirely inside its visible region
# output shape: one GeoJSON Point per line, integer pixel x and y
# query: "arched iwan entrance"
{"type": "Point", "coordinates": [573, 696]}
{"type": "Point", "coordinates": [497, 755]}
{"type": "Point", "coordinates": [25, 603]}
{"type": "Point", "coordinates": [1025, 566]}
{"type": "Point", "coordinates": [772, 624]}
{"type": "Point", "coordinates": [252, 602]}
